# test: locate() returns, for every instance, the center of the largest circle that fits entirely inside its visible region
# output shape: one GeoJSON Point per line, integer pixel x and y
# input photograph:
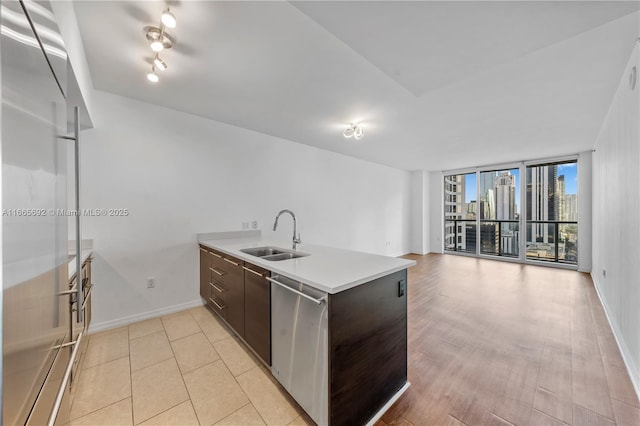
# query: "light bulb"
{"type": "Point", "coordinates": [159, 63]}
{"type": "Point", "coordinates": [348, 132]}
{"type": "Point", "coordinates": [157, 45]}
{"type": "Point", "coordinates": [152, 77]}
{"type": "Point", "coordinates": [168, 19]}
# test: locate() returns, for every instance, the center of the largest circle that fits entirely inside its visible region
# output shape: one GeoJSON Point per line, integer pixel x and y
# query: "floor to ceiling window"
{"type": "Point", "coordinates": [499, 212]}
{"type": "Point", "coordinates": [552, 212]}
{"type": "Point", "coordinates": [486, 210]}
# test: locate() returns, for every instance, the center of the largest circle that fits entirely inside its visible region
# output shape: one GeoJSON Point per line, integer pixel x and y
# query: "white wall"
{"type": "Point", "coordinates": [420, 232]}
{"type": "Point", "coordinates": [180, 174]}
{"type": "Point", "coordinates": [585, 209]}
{"type": "Point", "coordinates": [68, 25]}
{"type": "Point", "coordinates": [436, 215]}
{"type": "Point", "coordinates": [616, 226]}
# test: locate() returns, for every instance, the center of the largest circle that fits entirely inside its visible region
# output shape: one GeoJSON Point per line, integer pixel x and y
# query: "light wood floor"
{"type": "Point", "coordinates": [502, 343]}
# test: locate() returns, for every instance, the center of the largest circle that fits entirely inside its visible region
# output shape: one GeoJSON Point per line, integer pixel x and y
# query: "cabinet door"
{"type": "Point", "coordinates": [257, 311]}
{"type": "Point", "coordinates": [205, 274]}
{"type": "Point", "coordinates": [234, 285]}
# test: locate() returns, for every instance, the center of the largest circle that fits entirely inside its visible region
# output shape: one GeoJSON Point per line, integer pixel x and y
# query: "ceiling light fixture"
{"type": "Point", "coordinates": [159, 63]}
{"type": "Point", "coordinates": [168, 19]}
{"type": "Point", "coordinates": [152, 76]}
{"type": "Point", "coordinates": [159, 40]}
{"type": "Point", "coordinates": [354, 130]}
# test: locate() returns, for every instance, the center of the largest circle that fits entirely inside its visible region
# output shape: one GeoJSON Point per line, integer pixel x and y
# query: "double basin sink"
{"type": "Point", "coordinates": [273, 253]}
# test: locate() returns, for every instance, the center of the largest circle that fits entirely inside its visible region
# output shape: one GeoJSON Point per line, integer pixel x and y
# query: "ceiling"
{"type": "Point", "coordinates": [436, 85]}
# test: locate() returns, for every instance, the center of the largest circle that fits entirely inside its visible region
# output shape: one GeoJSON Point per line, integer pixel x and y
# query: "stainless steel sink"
{"type": "Point", "coordinates": [273, 253]}
{"type": "Point", "coordinates": [284, 256]}
{"type": "Point", "coordinates": [263, 251]}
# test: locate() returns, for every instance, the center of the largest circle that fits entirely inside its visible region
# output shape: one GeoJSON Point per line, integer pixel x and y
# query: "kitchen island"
{"type": "Point", "coordinates": [331, 324]}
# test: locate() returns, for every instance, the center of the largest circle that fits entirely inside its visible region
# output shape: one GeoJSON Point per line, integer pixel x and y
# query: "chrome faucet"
{"type": "Point", "coordinates": [296, 240]}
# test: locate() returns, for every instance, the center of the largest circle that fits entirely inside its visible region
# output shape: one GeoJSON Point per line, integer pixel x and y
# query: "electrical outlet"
{"type": "Point", "coordinates": [604, 272]}
{"type": "Point", "coordinates": [254, 224]}
{"type": "Point", "coordinates": [245, 225]}
{"type": "Point", "coordinates": [388, 244]}
{"type": "Point", "coordinates": [151, 282]}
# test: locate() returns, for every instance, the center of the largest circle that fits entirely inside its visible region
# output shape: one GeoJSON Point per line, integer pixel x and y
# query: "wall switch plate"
{"type": "Point", "coordinates": [402, 287]}
{"type": "Point", "coordinates": [254, 224]}
{"type": "Point", "coordinates": [151, 282]}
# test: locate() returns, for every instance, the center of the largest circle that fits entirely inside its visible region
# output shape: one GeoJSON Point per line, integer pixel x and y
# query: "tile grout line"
{"type": "Point", "coordinates": [95, 411]}
{"type": "Point", "coordinates": [220, 359]}
{"type": "Point", "coordinates": [235, 378]}
{"type": "Point", "coordinates": [164, 330]}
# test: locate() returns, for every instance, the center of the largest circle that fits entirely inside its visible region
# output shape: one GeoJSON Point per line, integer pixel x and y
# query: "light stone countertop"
{"type": "Point", "coordinates": [327, 269]}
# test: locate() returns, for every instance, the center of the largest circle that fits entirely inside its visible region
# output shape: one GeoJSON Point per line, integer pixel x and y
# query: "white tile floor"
{"type": "Point", "coordinates": [183, 369]}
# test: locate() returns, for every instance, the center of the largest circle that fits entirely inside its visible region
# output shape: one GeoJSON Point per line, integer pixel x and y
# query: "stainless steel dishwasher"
{"type": "Point", "coordinates": [299, 339]}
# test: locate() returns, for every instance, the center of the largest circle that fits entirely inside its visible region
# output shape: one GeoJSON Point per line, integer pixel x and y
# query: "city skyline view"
{"type": "Point", "coordinates": [483, 212]}
{"type": "Point", "coordinates": [569, 170]}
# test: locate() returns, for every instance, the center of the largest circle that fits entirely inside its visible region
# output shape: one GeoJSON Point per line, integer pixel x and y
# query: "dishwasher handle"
{"type": "Point", "coordinates": [319, 301]}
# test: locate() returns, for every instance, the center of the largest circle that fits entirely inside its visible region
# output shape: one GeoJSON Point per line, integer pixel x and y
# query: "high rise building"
{"type": "Point", "coordinates": [472, 209]}
{"type": "Point", "coordinates": [487, 195]}
{"type": "Point", "coordinates": [454, 203]}
{"type": "Point", "coordinates": [542, 202]}
{"type": "Point", "coordinates": [560, 194]}
{"type": "Point", "coordinates": [571, 207]}
{"type": "Point", "coordinates": [505, 196]}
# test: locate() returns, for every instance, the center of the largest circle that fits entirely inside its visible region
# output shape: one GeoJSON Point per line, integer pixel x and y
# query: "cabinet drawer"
{"type": "Point", "coordinates": [218, 290]}
{"type": "Point", "coordinates": [218, 306]}
{"type": "Point", "coordinates": [216, 259]}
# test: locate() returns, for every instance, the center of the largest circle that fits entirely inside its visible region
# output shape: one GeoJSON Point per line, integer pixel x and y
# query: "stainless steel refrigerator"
{"type": "Point", "coordinates": [35, 316]}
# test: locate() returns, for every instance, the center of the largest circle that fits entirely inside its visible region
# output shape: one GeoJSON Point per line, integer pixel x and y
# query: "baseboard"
{"type": "Point", "coordinates": [119, 322]}
{"type": "Point", "coordinates": [632, 370]}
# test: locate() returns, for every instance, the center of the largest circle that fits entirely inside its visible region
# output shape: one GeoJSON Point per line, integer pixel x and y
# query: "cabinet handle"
{"type": "Point", "coordinates": [216, 271]}
{"type": "Point", "coordinates": [216, 255]}
{"type": "Point", "coordinates": [231, 262]}
{"type": "Point", "coordinates": [73, 290]}
{"type": "Point", "coordinates": [216, 287]}
{"type": "Point", "coordinates": [201, 249]}
{"type": "Point", "coordinates": [216, 303]}
{"type": "Point", "coordinates": [252, 271]}
{"type": "Point", "coordinates": [299, 293]}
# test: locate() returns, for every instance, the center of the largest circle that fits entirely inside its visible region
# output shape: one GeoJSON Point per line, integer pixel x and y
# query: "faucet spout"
{"type": "Point", "coordinates": [296, 236]}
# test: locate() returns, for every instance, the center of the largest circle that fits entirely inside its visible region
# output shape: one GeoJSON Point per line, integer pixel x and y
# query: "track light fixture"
{"type": "Point", "coordinates": [168, 19]}
{"type": "Point", "coordinates": [160, 40]}
{"type": "Point", "coordinates": [159, 63]}
{"type": "Point", "coordinates": [354, 130]}
{"type": "Point", "coordinates": [152, 76]}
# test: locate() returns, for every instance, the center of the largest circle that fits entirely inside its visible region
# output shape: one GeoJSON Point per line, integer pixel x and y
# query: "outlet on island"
{"type": "Point", "coordinates": [151, 282]}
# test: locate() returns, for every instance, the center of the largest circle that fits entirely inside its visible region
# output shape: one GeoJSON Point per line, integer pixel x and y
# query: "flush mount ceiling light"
{"type": "Point", "coordinates": [354, 130]}
{"type": "Point", "coordinates": [159, 40]}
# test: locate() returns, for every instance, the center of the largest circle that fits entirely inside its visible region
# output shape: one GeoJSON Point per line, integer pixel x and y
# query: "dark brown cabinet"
{"type": "Point", "coordinates": [257, 311]}
{"type": "Point", "coordinates": [233, 281]}
{"type": "Point", "coordinates": [205, 273]}
{"type": "Point", "coordinates": [222, 286]}
{"type": "Point", "coordinates": [241, 295]}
